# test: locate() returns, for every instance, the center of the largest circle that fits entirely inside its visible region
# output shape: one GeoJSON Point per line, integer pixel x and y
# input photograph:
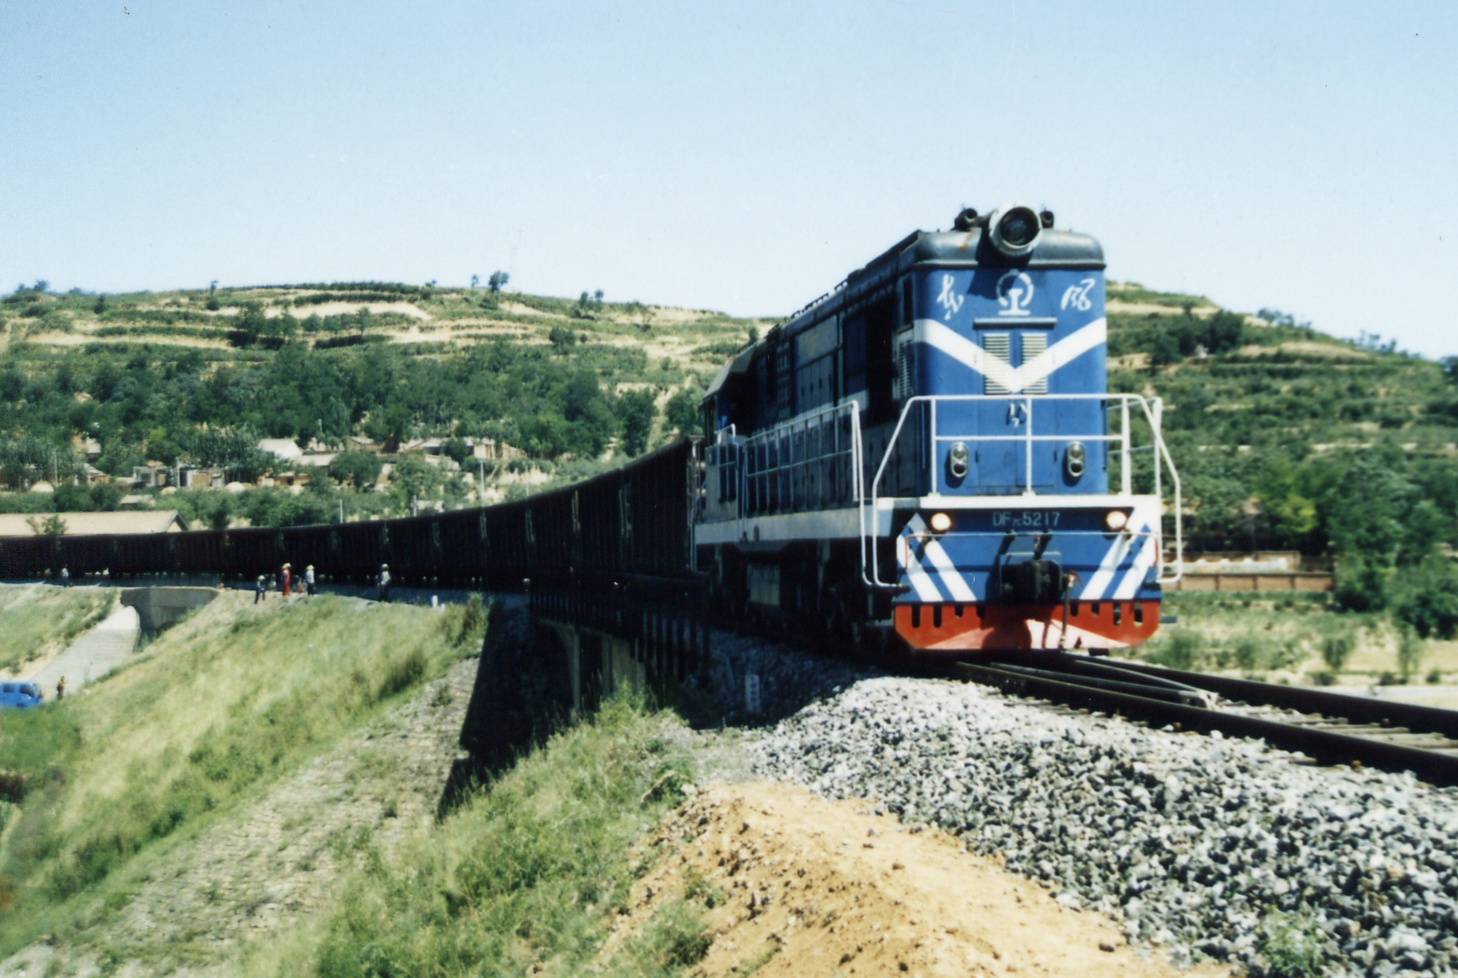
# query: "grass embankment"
{"type": "Point", "coordinates": [40, 619]}
{"type": "Point", "coordinates": [1301, 635]}
{"type": "Point", "coordinates": [524, 878]}
{"type": "Point", "coordinates": [210, 713]}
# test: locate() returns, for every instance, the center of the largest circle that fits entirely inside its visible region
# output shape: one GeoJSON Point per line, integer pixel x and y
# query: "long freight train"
{"type": "Point", "coordinates": [928, 457]}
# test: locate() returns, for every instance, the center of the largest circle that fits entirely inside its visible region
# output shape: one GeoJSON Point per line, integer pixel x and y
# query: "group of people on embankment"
{"type": "Point", "coordinates": [306, 586]}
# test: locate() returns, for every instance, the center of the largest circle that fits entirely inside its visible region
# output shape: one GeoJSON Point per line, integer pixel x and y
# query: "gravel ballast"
{"type": "Point", "coordinates": [1208, 847]}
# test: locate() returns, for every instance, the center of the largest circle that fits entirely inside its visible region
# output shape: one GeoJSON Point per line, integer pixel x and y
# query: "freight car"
{"type": "Point", "coordinates": [631, 522]}
{"type": "Point", "coordinates": [930, 454]}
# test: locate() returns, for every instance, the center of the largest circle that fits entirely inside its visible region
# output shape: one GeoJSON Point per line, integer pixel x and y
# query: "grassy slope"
{"type": "Point", "coordinates": [41, 619]}
{"type": "Point", "coordinates": [1281, 635]}
{"type": "Point", "coordinates": [524, 878]}
{"type": "Point", "coordinates": [212, 711]}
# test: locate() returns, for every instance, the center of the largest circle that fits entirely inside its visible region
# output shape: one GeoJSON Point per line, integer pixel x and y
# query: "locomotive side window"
{"type": "Point", "coordinates": [815, 365]}
{"type": "Point", "coordinates": [784, 381]}
{"type": "Point", "coordinates": [880, 361]}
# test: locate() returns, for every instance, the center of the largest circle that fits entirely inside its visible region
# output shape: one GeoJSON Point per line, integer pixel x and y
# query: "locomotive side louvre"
{"type": "Point", "coordinates": [996, 495]}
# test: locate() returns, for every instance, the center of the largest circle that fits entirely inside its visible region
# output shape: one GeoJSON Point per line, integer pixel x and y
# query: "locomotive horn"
{"type": "Point", "coordinates": [1015, 229]}
{"type": "Point", "coordinates": [966, 219]}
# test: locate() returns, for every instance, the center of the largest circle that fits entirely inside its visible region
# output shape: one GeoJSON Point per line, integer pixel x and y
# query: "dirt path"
{"type": "Point", "coordinates": [796, 885]}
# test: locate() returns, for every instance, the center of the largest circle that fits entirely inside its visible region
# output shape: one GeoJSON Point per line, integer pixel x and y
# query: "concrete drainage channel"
{"type": "Point", "coordinates": [140, 611]}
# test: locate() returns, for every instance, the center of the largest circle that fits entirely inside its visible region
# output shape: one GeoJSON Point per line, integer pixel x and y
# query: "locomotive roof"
{"type": "Point", "coordinates": [939, 249]}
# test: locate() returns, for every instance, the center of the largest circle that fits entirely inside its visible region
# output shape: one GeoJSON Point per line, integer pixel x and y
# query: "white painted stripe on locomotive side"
{"type": "Point", "coordinates": [917, 576]}
{"type": "Point", "coordinates": [1104, 576]}
{"type": "Point", "coordinates": [1133, 579]}
{"type": "Point", "coordinates": [1014, 379]}
{"type": "Point", "coordinates": [828, 524]}
{"type": "Point", "coordinates": [947, 572]}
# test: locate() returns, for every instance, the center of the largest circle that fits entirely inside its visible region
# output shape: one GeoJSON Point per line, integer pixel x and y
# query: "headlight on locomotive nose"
{"type": "Point", "coordinates": [1015, 229]}
{"type": "Point", "coordinates": [940, 522]}
{"type": "Point", "coordinates": [1116, 520]}
{"type": "Point", "coordinates": [1075, 460]}
{"type": "Point", "coordinates": [957, 460]}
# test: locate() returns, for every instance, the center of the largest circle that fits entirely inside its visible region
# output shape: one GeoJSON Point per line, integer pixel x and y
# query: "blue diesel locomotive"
{"type": "Point", "coordinates": [931, 452]}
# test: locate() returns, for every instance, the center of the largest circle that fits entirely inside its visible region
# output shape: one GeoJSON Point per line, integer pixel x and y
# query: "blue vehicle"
{"type": "Point", "coordinates": [931, 452]}
{"type": "Point", "coordinates": [20, 694]}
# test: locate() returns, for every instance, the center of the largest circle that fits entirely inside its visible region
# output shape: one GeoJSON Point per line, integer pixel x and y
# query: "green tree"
{"type": "Point", "coordinates": [497, 281]}
{"type": "Point", "coordinates": [358, 468]}
{"type": "Point", "coordinates": [636, 411]}
{"type": "Point", "coordinates": [411, 479]}
{"type": "Point", "coordinates": [682, 411]}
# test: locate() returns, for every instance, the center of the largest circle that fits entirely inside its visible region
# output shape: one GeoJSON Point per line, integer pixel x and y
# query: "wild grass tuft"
{"type": "Point", "coordinates": [527, 875]}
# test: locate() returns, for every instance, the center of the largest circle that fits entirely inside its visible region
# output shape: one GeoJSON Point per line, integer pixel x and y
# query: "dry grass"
{"type": "Point", "coordinates": [40, 620]}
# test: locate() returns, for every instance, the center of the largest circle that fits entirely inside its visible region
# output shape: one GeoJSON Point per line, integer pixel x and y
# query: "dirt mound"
{"type": "Point", "coordinates": [795, 885]}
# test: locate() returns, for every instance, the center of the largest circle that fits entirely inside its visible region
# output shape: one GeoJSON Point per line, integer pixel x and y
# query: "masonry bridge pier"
{"type": "Point", "coordinates": [572, 645]}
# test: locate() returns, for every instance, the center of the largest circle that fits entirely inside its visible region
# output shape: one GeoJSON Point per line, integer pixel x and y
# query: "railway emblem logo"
{"type": "Point", "coordinates": [1014, 294]}
{"type": "Point", "coordinates": [950, 300]}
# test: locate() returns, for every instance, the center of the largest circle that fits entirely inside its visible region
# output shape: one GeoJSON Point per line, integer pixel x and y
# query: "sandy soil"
{"type": "Point", "coordinates": [1140, 308]}
{"type": "Point", "coordinates": [801, 886]}
{"type": "Point", "coordinates": [340, 308]}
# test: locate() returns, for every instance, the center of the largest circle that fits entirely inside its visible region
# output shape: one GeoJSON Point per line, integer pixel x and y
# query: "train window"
{"type": "Point", "coordinates": [784, 374]}
{"type": "Point", "coordinates": [880, 362]}
{"type": "Point", "coordinates": [853, 346]}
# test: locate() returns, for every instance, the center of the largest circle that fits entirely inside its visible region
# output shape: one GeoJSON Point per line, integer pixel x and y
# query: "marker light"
{"type": "Point", "coordinates": [940, 522]}
{"type": "Point", "coordinates": [1117, 519]}
{"type": "Point", "coordinates": [957, 459]}
{"type": "Point", "coordinates": [1075, 460]}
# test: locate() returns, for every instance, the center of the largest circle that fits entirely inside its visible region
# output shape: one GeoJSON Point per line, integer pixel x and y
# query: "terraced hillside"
{"type": "Point", "coordinates": [1286, 438]}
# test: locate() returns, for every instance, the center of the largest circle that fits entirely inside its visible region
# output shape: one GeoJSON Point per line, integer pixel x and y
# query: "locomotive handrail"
{"type": "Point", "coordinates": [751, 493]}
{"type": "Point", "coordinates": [1152, 409]}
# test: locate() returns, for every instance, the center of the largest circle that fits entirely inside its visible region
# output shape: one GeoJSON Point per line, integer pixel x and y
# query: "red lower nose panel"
{"type": "Point", "coordinates": [1091, 625]}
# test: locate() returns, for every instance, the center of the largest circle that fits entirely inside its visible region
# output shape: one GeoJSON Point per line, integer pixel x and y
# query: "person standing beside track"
{"type": "Point", "coordinates": [384, 582]}
{"type": "Point", "coordinates": [284, 578]}
{"type": "Point", "coordinates": [309, 580]}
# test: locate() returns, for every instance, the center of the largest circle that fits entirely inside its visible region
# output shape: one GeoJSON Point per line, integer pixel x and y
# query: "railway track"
{"type": "Point", "coordinates": [1331, 728]}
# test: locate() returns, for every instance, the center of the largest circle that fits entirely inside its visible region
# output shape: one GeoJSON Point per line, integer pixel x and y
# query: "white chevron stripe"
{"type": "Point", "coordinates": [1099, 582]}
{"type": "Point", "coordinates": [1014, 379]}
{"type": "Point", "coordinates": [920, 581]}
{"type": "Point", "coordinates": [947, 571]}
{"type": "Point", "coordinates": [1133, 579]}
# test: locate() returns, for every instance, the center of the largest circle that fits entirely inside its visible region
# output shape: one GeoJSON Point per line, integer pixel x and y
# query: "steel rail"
{"type": "Point", "coordinates": [1357, 709]}
{"type": "Point", "coordinates": [1323, 746]}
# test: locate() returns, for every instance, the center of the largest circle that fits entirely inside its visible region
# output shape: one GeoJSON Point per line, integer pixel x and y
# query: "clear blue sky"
{"type": "Point", "coordinates": [742, 157]}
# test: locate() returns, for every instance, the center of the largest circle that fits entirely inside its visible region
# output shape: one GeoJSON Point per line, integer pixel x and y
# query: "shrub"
{"type": "Point", "coordinates": [1182, 649]}
{"type": "Point", "coordinates": [1337, 649]}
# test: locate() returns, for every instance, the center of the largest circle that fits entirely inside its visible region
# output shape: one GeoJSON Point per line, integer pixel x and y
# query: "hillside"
{"type": "Point", "coordinates": [1285, 438]}
{"type": "Point", "coordinates": [236, 766]}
